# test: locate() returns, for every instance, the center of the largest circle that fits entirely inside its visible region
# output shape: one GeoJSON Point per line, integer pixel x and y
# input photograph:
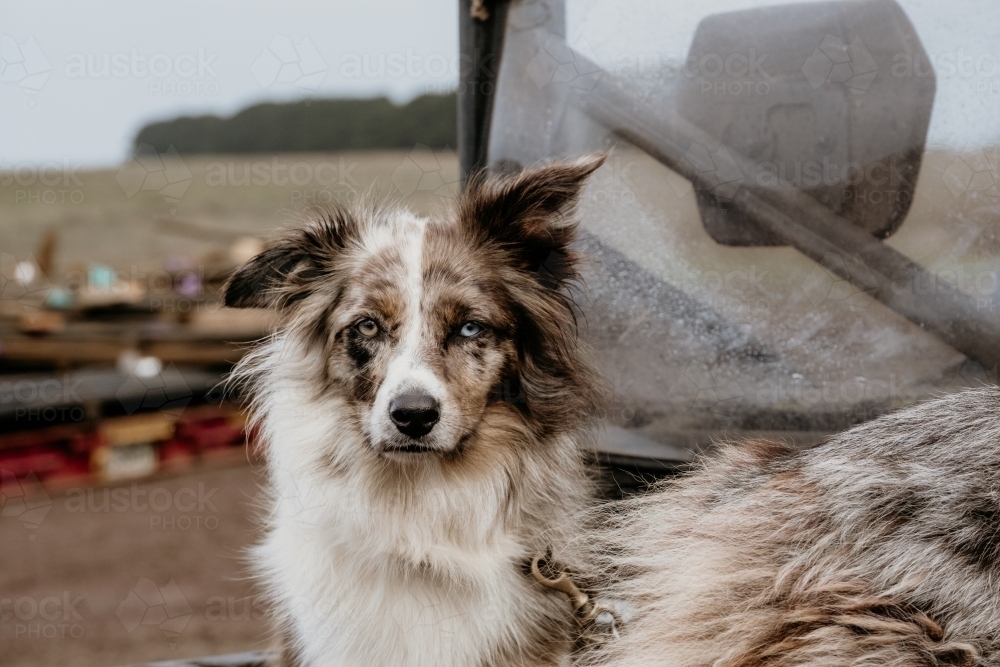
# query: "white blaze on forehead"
{"type": "Point", "coordinates": [406, 370]}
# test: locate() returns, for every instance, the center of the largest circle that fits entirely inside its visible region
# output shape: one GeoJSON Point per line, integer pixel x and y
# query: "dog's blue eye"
{"type": "Point", "coordinates": [470, 329]}
{"type": "Point", "coordinates": [368, 328]}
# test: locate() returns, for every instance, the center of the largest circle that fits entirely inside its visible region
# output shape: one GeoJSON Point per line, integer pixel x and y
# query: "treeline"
{"type": "Point", "coordinates": [312, 125]}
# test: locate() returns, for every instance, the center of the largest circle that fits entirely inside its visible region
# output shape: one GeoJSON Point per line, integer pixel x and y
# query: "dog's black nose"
{"type": "Point", "coordinates": [414, 414]}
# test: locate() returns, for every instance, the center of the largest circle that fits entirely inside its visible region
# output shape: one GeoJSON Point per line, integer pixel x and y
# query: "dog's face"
{"type": "Point", "coordinates": [429, 328]}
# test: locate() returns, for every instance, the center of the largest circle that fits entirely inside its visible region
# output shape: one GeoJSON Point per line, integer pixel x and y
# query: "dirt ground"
{"type": "Point", "coordinates": [132, 573]}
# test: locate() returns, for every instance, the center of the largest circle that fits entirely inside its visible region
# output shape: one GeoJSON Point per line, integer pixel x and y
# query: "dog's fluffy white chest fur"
{"type": "Point", "coordinates": [363, 575]}
{"type": "Point", "coordinates": [354, 613]}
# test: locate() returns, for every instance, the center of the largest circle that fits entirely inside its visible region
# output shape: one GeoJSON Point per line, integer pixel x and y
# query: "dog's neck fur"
{"type": "Point", "coordinates": [416, 566]}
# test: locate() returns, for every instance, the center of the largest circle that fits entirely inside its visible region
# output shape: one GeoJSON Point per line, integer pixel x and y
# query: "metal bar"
{"type": "Point", "coordinates": [801, 222]}
{"type": "Point", "coordinates": [480, 36]}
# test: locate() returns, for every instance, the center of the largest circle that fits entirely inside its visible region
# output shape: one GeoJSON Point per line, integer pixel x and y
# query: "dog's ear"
{"type": "Point", "coordinates": [285, 272]}
{"type": "Point", "coordinates": [263, 282]}
{"type": "Point", "coordinates": [528, 214]}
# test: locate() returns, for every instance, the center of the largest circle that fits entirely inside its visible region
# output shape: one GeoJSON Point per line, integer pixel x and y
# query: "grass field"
{"type": "Point", "coordinates": [104, 216]}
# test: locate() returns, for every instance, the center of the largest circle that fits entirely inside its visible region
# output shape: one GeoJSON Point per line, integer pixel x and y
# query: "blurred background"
{"type": "Point", "coordinates": [796, 231]}
{"type": "Point", "coordinates": [145, 152]}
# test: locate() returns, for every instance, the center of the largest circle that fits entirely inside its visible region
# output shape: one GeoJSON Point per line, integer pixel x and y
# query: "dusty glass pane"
{"type": "Point", "coordinates": [797, 227]}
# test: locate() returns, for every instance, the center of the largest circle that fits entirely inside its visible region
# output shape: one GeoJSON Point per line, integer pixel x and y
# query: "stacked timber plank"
{"type": "Point", "coordinates": [110, 379]}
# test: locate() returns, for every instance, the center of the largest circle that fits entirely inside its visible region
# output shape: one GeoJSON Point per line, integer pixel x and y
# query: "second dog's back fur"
{"type": "Point", "coordinates": [880, 547]}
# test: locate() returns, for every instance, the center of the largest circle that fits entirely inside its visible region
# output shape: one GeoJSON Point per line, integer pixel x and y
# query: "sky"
{"type": "Point", "coordinates": [80, 79]}
{"type": "Point", "coordinates": [95, 72]}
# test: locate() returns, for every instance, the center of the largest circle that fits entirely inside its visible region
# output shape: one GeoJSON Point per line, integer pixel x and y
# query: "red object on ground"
{"type": "Point", "coordinates": [209, 433]}
{"type": "Point", "coordinates": [75, 472]}
{"type": "Point", "coordinates": [40, 461]}
{"type": "Point", "coordinates": [61, 454]}
{"type": "Point", "coordinates": [177, 455]}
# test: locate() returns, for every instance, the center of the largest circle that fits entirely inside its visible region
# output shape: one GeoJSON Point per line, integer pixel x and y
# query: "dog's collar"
{"type": "Point", "coordinates": [598, 622]}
